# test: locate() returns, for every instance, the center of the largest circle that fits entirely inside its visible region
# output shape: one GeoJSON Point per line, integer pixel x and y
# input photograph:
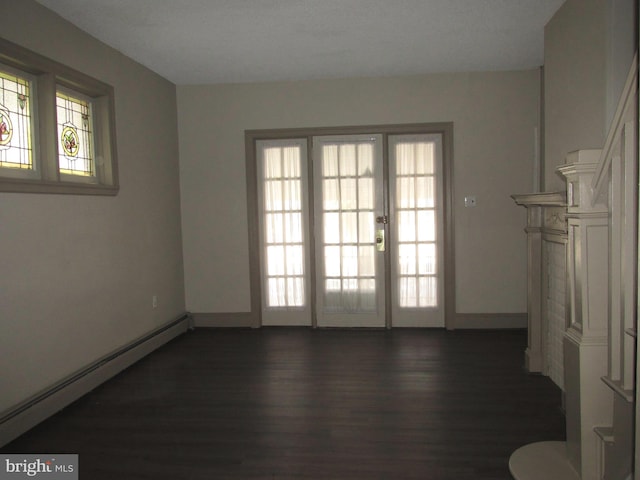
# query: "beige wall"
{"type": "Point", "coordinates": [494, 116]}
{"type": "Point", "coordinates": [575, 83]}
{"type": "Point", "coordinates": [78, 272]}
{"type": "Point", "coordinates": [621, 45]}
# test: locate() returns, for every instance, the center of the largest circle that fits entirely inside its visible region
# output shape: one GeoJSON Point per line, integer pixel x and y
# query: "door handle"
{"type": "Point", "coordinates": [380, 240]}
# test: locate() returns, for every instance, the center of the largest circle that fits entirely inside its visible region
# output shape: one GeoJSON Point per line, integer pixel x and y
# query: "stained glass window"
{"type": "Point", "coordinates": [76, 152]}
{"type": "Point", "coordinates": [75, 135]}
{"type": "Point", "coordinates": [16, 143]}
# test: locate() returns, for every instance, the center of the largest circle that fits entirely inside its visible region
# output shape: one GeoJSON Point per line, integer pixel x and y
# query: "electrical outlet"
{"type": "Point", "coordinates": [470, 201]}
{"type": "Point", "coordinates": [154, 301]}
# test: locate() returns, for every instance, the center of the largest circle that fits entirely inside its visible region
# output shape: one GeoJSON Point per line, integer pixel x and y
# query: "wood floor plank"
{"type": "Point", "coordinates": [296, 403]}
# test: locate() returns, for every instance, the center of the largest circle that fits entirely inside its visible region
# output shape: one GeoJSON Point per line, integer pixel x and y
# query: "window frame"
{"type": "Point", "coordinates": [48, 77]}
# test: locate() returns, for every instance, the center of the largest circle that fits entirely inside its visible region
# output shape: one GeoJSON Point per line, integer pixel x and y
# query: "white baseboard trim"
{"type": "Point", "coordinates": [32, 411]}
{"type": "Point", "coordinates": [226, 320]}
{"type": "Point", "coordinates": [490, 320]}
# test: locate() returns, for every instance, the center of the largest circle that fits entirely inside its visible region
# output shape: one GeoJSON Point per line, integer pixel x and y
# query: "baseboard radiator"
{"type": "Point", "coordinates": [41, 406]}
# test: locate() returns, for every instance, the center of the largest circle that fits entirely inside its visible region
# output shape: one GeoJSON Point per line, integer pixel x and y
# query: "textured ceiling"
{"type": "Point", "coordinates": [229, 41]}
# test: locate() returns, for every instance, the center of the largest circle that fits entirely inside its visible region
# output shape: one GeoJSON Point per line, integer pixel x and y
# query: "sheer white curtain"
{"type": "Point", "coordinates": [283, 227]}
{"type": "Point", "coordinates": [416, 224]}
{"type": "Point", "coordinates": [348, 199]}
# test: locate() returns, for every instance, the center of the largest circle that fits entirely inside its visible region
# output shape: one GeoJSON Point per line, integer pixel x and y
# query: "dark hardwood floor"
{"type": "Point", "coordinates": [288, 403]}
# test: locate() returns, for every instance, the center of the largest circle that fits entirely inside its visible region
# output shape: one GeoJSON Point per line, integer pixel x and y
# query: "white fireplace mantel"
{"type": "Point", "coordinates": [546, 215]}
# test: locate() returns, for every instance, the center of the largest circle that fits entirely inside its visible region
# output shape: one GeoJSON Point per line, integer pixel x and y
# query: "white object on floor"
{"type": "Point", "coordinates": [542, 461]}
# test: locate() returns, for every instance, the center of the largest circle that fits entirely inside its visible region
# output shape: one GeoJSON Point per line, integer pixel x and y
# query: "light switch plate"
{"type": "Point", "coordinates": [470, 201]}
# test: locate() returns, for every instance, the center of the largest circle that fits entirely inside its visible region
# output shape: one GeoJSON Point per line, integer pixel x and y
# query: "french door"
{"type": "Point", "coordinates": [348, 186]}
{"type": "Point", "coordinates": [351, 230]}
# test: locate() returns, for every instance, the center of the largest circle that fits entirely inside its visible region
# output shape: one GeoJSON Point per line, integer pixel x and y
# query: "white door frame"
{"type": "Point", "coordinates": [254, 316]}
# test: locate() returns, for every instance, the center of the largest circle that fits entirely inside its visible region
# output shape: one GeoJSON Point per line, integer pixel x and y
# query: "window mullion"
{"type": "Point", "coordinates": [47, 127]}
{"type": "Point", "coordinates": [283, 228]}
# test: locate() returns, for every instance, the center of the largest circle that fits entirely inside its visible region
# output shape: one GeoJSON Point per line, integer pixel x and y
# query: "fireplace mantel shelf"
{"type": "Point", "coordinates": [555, 199]}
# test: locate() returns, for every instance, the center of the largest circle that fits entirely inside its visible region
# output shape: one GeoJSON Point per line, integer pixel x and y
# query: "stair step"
{"type": "Point", "coordinates": [542, 461]}
{"type": "Point", "coordinates": [605, 434]}
{"type": "Point", "coordinates": [616, 386]}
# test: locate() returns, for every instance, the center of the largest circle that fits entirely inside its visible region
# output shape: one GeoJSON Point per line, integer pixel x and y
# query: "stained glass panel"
{"type": "Point", "coordinates": [75, 135]}
{"type": "Point", "coordinates": [16, 141]}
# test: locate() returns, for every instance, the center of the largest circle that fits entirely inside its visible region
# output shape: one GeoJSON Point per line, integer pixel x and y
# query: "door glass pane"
{"type": "Point", "coordinates": [406, 225]}
{"type": "Point", "coordinates": [275, 260]}
{"type": "Point", "coordinates": [349, 227]}
{"type": "Point", "coordinates": [426, 225]}
{"type": "Point", "coordinates": [348, 160]}
{"type": "Point", "coordinates": [277, 293]}
{"type": "Point", "coordinates": [366, 225]}
{"type": "Point", "coordinates": [424, 157]}
{"type": "Point", "coordinates": [349, 261]}
{"type": "Point", "coordinates": [365, 160]}
{"type": "Point", "coordinates": [367, 294]}
{"type": "Point", "coordinates": [291, 194]}
{"type": "Point", "coordinates": [273, 195]}
{"type": "Point", "coordinates": [330, 161]}
{"type": "Point", "coordinates": [407, 290]}
{"type": "Point", "coordinates": [332, 261]}
{"type": "Point", "coordinates": [406, 192]}
{"type": "Point", "coordinates": [295, 260]}
{"type": "Point", "coordinates": [366, 261]}
{"type": "Point", "coordinates": [272, 163]}
{"type": "Point", "coordinates": [427, 259]}
{"type": "Point", "coordinates": [425, 193]}
{"type": "Point", "coordinates": [405, 159]}
{"type": "Point", "coordinates": [295, 290]}
{"type": "Point", "coordinates": [274, 228]}
{"type": "Point", "coordinates": [331, 228]}
{"type": "Point", "coordinates": [293, 228]}
{"type": "Point", "coordinates": [291, 162]}
{"type": "Point", "coordinates": [407, 258]}
{"type": "Point", "coordinates": [366, 194]}
{"type": "Point", "coordinates": [427, 290]}
{"type": "Point", "coordinates": [331, 189]}
{"type": "Point", "coordinates": [348, 195]}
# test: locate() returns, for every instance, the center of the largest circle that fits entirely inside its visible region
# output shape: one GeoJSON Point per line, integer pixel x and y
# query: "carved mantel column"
{"type": "Point", "coordinates": [544, 211]}
{"type": "Point", "coordinates": [588, 402]}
